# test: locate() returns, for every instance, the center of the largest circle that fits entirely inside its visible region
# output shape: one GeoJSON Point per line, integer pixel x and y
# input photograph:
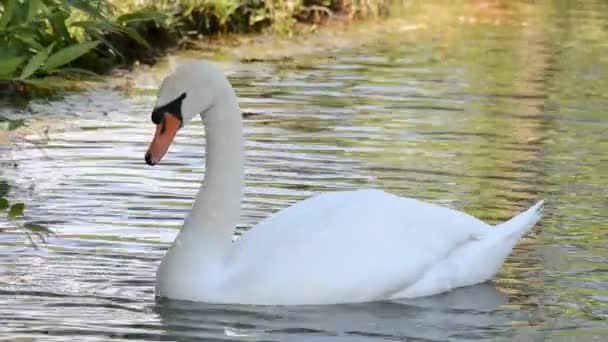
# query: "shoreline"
{"type": "Point", "coordinates": [233, 49]}
{"type": "Point", "coordinates": [334, 33]}
{"type": "Point", "coordinates": [140, 32]}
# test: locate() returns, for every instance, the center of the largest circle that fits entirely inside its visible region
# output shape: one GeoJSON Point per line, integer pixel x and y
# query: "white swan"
{"type": "Point", "coordinates": [337, 247]}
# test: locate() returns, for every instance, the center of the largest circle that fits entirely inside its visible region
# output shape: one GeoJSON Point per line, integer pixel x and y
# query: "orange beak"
{"type": "Point", "coordinates": [165, 132]}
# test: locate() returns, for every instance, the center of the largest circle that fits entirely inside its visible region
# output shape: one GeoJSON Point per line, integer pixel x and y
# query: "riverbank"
{"type": "Point", "coordinates": [45, 47]}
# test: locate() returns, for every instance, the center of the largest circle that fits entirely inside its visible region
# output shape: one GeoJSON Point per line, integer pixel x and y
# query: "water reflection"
{"type": "Point", "coordinates": [480, 106]}
{"type": "Point", "coordinates": [465, 314]}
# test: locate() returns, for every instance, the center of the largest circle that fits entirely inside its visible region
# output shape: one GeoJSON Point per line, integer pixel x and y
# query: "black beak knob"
{"type": "Point", "coordinates": [149, 159]}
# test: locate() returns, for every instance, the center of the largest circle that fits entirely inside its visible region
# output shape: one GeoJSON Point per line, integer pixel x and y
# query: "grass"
{"type": "Point", "coordinates": [43, 41]}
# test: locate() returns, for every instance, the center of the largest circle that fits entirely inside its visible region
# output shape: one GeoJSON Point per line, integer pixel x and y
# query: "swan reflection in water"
{"type": "Point", "coordinates": [469, 313]}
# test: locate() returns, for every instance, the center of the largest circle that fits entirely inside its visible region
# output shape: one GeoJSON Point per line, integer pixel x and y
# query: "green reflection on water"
{"type": "Point", "coordinates": [484, 107]}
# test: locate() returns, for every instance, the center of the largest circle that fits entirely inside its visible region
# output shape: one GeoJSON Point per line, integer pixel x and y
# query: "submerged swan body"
{"type": "Point", "coordinates": [336, 247]}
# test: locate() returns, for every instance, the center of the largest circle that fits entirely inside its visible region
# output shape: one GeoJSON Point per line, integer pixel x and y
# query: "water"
{"type": "Point", "coordinates": [480, 108]}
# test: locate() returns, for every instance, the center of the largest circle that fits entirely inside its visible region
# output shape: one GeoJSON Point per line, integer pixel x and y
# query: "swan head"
{"type": "Point", "coordinates": [186, 92]}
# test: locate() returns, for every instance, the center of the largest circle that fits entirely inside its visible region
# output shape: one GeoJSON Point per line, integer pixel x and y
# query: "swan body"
{"type": "Point", "coordinates": [336, 247]}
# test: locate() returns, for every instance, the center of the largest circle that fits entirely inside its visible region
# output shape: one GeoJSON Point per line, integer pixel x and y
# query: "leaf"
{"type": "Point", "coordinates": [67, 71]}
{"type": "Point", "coordinates": [135, 36]}
{"type": "Point", "coordinates": [30, 39]}
{"type": "Point", "coordinates": [11, 49]}
{"type": "Point", "coordinates": [20, 15]}
{"type": "Point", "coordinates": [4, 203]}
{"type": "Point", "coordinates": [16, 210]}
{"type": "Point", "coordinates": [33, 8]}
{"type": "Point", "coordinates": [68, 54]}
{"type": "Point", "coordinates": [113, 48]}
{"type": "Point", "coordinates": [9, 10]}
{"type": "Point", "coordinates": [4, 187]}
{"type": "Point", "coordinates": [36, 62]}
{"type": "Point", "coordinates": [57, 20]}
{"type": "Point", "coordinates": [100, 27]}
{"type": "Point", "coordinates": [9, 65]}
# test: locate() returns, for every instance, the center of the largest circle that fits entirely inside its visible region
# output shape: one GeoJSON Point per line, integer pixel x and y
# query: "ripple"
{"type": "Point", "coordinates": [485, 118]}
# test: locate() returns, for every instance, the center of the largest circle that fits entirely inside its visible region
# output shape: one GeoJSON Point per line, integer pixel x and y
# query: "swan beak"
{"type": "Point", "coordinates": [165, 132]}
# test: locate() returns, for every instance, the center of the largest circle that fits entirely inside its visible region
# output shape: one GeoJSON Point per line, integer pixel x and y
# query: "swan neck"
{"type": "Point", "coordinates": [216, 209]}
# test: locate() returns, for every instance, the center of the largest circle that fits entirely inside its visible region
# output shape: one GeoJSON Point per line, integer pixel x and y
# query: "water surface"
{"type": "Point", "coordinates": [482, 108]}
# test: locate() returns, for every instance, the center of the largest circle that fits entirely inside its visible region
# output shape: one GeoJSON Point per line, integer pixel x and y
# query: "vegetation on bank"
{"type": "Point", "coordinates": [45, 42]}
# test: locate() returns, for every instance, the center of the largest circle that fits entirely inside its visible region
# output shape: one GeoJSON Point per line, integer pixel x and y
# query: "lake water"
{"type": "Point", "coordinates": [481, 108]}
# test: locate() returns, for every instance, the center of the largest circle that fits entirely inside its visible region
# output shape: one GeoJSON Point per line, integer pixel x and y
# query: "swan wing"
{"type": "Point", "coordinates": [344, 247]}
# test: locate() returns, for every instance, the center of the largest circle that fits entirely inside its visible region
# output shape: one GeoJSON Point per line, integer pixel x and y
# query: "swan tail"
{"type": "Point", "coordinates": [490, 253]}
{"type": "Point", "coordinates": [477, 261]}
{"type": "Point", "coordinates": [521, 224]}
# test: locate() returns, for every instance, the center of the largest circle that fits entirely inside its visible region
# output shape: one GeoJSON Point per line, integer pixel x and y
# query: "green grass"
{"type": "Point", "coordinates": [43, 41]}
